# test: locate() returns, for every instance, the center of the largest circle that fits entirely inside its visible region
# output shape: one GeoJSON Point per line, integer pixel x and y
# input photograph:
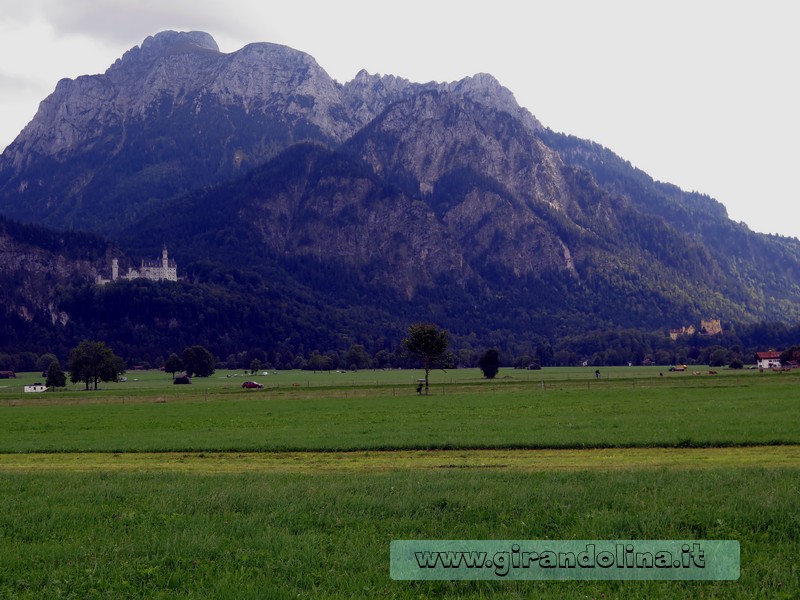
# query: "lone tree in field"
{"type": "Point", "coordinates": [429, 343]}
{"type": "Point", "coordinates": [93, 362]}
{"type": "Point", "coordinates": [56, 378]}
{"type": "Point", "coordinates": [173, 364]}
{"type": "Point", "coordinates": [490, 363]}
{"type": "Point", "coordinates": [198, 361]}
{"type": "Point", "coordinates": [255, 365]}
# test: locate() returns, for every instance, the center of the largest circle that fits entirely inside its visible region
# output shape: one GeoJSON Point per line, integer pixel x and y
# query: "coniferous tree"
{"type": "Point", "coordinates": [490, 363]}
{"type": "Point", "coordinates": [56, 378]}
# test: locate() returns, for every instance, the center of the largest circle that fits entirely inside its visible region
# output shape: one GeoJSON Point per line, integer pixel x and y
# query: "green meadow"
{"type": "Point", "coordinates": [149, 490]}
{"type": "Point", "coordinates": [363, 412]}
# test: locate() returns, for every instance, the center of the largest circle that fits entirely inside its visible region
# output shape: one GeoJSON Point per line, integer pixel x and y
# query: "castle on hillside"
{"type": "Point", "coordinates": [707, 327]}
{"type": "Point", "coordinates": [164, 270]}
{"type": "Point", "coordinates": [675, 333]}
{"type": "Point", "coordinates": [710, 327]}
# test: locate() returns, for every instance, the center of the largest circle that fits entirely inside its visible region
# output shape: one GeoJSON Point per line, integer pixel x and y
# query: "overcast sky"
{"type": "Point", "coordinates": [702, 94]}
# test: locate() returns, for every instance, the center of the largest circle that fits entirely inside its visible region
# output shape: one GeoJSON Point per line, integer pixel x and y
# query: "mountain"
{"type": "Point", "coordinates": [309, 214]}
{"type": "Point", "coordinates": [176, 115]}
{"type": "Point", "coordinates": [172, 115]}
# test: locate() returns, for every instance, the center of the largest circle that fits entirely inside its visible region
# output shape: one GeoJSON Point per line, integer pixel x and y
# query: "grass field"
{"type": "Point", "coordinates": [362, 414]}
{"type": "Point", "coordinates": [148, 490]}
{"type": "Point", "coordinates": [152, 382]}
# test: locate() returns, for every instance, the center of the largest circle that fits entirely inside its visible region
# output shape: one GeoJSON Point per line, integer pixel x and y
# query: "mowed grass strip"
{"type": "Point", "coordinates": [376, 461]}
{"type": "Point", "coordinates": [326, 535]}
{"type": "Point", "coordinates": [598, 414]}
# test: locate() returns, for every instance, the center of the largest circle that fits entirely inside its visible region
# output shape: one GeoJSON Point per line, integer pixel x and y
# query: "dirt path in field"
{"type": "Point", "coordinates": [300, 462]}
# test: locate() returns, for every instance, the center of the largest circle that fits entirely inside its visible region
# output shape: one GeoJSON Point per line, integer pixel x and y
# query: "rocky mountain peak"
{"type": "Point", "coordinates": [169, 40]}
{"type": "Point", "coordinates": [180, 71]}
{"type": "Point", "coordinates": [177, 91]}
{"type": "Point", "coordinates": [366, 95]}
{"type": "Point", "coordinates": [439, 131]}
{"type": "Point", "coordinates": [364, 78]}
{"type": "Point", "coordinates": [167, 43]}
{"type": "Point", "coordinates": [485, 90]}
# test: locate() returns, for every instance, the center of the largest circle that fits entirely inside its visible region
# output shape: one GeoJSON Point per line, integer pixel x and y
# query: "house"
{"type": "Point", "coordinates": [36, 387]}
{"type": "Point", "coordinates": [768, 360]}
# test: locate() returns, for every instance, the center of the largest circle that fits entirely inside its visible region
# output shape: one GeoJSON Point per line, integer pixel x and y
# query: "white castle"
{"type": "Point", "coordinates": [166, 269]}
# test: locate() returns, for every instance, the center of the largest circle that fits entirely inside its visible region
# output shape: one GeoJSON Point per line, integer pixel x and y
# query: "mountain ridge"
{"type": "Point", "coordinates": [277, 94]}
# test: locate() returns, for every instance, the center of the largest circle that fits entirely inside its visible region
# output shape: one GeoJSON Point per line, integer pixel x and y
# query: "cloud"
{"type": "Point", "coordinates": [19, 97]}
{"type": "Point", "coordinates": [126, 23]}
{"type": "Point", "coordinates": [23, 12]}
{"type": "Point", "coordinates": [14, 84]}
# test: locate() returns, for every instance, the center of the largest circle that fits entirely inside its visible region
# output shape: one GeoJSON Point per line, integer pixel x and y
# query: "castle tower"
{"type": "Point", "coordinates": [165, 261]}
{"type": "Point", "coordinates": [114, 269]}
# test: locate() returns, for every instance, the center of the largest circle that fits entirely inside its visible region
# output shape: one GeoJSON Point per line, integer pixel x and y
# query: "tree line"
{"type": "Point", "coordinates": [92, 362]}
{"type": "Point", "coordinates": [426, 346]}
{"type": "Point", "coordinates": [599, 348]}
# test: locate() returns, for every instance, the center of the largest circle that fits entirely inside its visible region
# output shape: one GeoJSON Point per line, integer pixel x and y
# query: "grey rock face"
{"type": "Point", "coordinates": [35, 273]}
{"type": "Point", "coordinates": [175, 114]}
{"type": "Point", "coordinates": [184, 68]}
{"type": "Point", "coordinates": [434, 133]}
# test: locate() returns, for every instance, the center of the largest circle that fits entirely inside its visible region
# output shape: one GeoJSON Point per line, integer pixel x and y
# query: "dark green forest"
{"type": "Point", "coordinates": [239, 318]}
